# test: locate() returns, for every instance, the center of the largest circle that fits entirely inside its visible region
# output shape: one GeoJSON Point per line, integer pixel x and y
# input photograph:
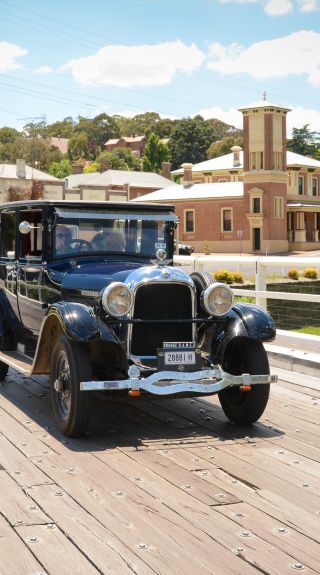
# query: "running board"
{"type": "Point", "coordinates": [17, 360]}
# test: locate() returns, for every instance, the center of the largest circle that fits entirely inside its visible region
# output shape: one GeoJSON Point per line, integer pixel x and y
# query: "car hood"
{"type": "Point", "coordinates": [93, 276]}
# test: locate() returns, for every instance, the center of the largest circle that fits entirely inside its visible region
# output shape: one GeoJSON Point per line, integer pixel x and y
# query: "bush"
{"type": "Point", "coordinates": [310, 273]}
{"type": "Point", "coordinates": [224, 276]}
{"type": "Point", "coordinates": [237, 277]}
{"type": "Point", "coordinates": [293, 274]}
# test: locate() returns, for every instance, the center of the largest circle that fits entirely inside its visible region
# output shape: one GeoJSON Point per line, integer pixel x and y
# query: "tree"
{"type": "Point", "coordinates": [190, 140]}
{"type": "Point", "coordinates": [304, 141]}
{"type": "Point", "coordinates": [60, 169]}
{"type": "Point", "coordinates": [62, 129]}
{"type": "Point", "coordinates": [155, 152]}
{"type": "Point", "coordinates": [120, 159]}
{"type": "Point", "coordinates": [223, 146]}
{"type": "Point", "coordinates": [8, 135]}
{"type": "Point", "coordinates": [78, 146]}
{"type": "Point", "coordinates": [98, 131]}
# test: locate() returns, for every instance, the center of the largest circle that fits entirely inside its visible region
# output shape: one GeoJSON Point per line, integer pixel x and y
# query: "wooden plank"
{"type": "Point", "coordinates": [27, 442]}
{"type": "Point", "coordinates": [15, 557]}
{"type": "Point", "coordinates": [16, 506]}
{"type": "Point", "coordinates": [254, 550]}
{"type": "Point", "coordinates": [281, 535]}
{"type": "Point", "coordinates": [130, 518]}
{"type": "Point", "coordinates": [54, 551]}
{"type": "Point", "coordinates": [18, 466]}
{"type": "Point", "coordinates": [104, 550]}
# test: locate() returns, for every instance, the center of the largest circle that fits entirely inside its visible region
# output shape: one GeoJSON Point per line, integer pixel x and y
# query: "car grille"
{"type": "Point", "coordinates": [161, 302]}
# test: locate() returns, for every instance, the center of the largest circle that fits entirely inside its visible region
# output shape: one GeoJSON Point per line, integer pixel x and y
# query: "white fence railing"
{"type": "Point", "coordinates": [259, 268]}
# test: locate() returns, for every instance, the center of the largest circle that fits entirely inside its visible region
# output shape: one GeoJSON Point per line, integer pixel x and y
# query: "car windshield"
{"type": "Point", "coordinates": [125, 235]}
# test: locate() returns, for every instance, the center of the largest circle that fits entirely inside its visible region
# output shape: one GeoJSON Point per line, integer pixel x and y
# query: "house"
{"type": "Point", "coordinates": [135, 143]}
{"type": "Point", "coordinates": [19, 181]}
{"type": "Point", "coordinates": [113, 185]}
{"type": "Point", "coordinates": [265, 197]}
{"type": "Point", "coordinates": [61, 143]}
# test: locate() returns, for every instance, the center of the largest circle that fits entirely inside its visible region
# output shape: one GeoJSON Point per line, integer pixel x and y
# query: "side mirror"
{"type": "Point", "coordinates": [25, 227]}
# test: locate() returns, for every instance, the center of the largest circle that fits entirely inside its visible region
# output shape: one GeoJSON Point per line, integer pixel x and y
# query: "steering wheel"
{"type": "Point", "coordinates": [84, 245]}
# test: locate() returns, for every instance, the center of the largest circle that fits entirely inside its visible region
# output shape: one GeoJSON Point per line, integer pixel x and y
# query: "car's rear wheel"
{"type": "Point", "coordinates": [70, 364]}
{"type": "Point", "coordinates": [245, 356]}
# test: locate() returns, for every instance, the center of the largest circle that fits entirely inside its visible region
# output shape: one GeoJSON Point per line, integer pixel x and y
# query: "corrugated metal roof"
{"type": "Point", "coordinates": [195, 192]}
{"type": "Point", "coordinates": [226, 163]}
{"type": "Point", "coordinates": [135, 179]}
{"type": "Point", "coordinates": [10, 171]}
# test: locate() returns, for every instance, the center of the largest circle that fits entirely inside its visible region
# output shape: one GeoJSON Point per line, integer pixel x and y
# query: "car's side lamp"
{"type": "Point", "coordinates": [25, 227]}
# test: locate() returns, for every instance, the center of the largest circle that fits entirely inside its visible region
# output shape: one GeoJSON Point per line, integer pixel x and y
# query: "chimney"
{"type": "Point", "coordinates": [21, 169]}
{"type": "Point", "coordinates": [104, 165]}
{"type": "Point", "coordinates": [187, 174]}
{"type": "Point", "coordinates": [166, 170]}
{"type": "Point", "coordinates": [236, 155]}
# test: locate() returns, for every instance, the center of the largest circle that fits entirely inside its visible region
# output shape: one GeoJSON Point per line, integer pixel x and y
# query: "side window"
{"type": "Point", "coordinates": [189, 221]}
{"type": "Point", "coordinates": [8, 234]}
{"type": "Point", "coordinates": [30, 245]}
{"type": "Point", "coordinates": [226, 220]}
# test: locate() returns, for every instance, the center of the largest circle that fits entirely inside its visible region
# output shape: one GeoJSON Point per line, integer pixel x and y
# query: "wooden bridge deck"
{"type": "Point", "coordinates": [165, 486]}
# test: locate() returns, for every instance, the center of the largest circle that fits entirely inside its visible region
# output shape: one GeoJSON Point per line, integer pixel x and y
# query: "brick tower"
{"type": "Point", "coordinates": [265, 176]}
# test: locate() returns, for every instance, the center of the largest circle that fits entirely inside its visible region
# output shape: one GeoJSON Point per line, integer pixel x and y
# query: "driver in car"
{"type": "Point", "coordinates": [63, 239]}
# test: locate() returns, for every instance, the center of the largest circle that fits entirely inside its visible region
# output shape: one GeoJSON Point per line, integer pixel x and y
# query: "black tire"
{"type": "Point", "coordinates": [245, 356]}
{"type": "Point", "coordinates": [3, 370]}
{"type": "Point", "coordinates": [70, 364]}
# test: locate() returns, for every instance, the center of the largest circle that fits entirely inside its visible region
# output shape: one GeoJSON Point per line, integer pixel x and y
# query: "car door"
{"type": "Point", "coordinates": [30, 269]}
{"type": "Point", "coordinates": [8, 265]}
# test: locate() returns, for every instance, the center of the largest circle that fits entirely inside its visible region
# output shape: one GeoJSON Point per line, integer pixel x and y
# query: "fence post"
{"type": "Point", "coordinates": [261, 283]}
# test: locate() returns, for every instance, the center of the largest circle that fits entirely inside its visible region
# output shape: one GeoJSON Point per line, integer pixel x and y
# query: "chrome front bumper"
{"type": "Point", "coordinates": [206, 381]}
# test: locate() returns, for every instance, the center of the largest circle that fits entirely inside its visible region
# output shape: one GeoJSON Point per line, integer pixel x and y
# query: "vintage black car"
{"type": "Point", "coordinates": [89, 295]}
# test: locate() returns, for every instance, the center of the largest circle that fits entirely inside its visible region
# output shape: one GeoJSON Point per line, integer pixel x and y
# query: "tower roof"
{"type": "Point", "coordinates": [263, 104]}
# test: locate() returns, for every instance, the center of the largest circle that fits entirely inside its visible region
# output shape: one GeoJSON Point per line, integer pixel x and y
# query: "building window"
{"type": "Point", "coordinates": [256, 161]}
{"type": "Point", "coordinates": [278, 207]}
{"type": "Point", "coordinates": [189, 221]}
{"type": "Point", "coordinates": [226, 217]}
{"type": "Point", "coordinates": [300, 185]}
{"type": "Point", "coordinates": [256, 205]}
{"type": "Point", "coordinates": [314, 186]}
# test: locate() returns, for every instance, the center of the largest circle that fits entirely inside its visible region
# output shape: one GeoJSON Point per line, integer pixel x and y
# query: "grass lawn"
{"type": "Point", "coordinates": [309, 329]}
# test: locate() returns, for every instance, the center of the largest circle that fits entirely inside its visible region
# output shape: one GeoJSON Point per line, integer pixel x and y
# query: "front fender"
{"type": "Point", "coordinates": [244, 320]}
{"type": "Point", "coordinates": [78, 321]}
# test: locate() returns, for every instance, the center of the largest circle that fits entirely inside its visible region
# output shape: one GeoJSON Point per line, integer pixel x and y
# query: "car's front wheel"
{"type": "Point", "coordinates": [245, 356]}
{"type": "Point", "coordinates": [70, 364]}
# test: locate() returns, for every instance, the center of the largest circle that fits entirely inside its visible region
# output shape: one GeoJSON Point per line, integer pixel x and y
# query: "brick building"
{"type": "Point", "coordinates": [135, 143]}
{"type": "Point", "coordinates": [264, 196]}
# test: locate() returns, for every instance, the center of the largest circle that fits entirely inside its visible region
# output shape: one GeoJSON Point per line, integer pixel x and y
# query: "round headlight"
{"type": "Point", "coordinates": [217, 299]}
{"type": "Point", "coordinates": [117, 299]}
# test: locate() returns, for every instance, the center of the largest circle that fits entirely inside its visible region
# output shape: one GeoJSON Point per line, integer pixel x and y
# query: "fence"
{"type": "Point", "coordinates": [293, 305]}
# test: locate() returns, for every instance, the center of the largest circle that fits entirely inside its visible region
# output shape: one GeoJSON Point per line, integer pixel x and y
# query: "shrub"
{"type": "Point", "coordinates": [310, 273]}
{"type": "Point", "coordinates": [224, 276]}
{"type": "Point", "coordinates": [237, 277]}
{"type": "Point", "coordinates": [293, 274]}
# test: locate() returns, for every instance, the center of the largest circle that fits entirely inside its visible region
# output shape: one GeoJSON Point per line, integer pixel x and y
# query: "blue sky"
{"type": "Point", "coordinates": [175, 57]}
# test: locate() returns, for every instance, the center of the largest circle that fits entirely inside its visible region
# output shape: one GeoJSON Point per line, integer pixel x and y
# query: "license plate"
{"type": "Point", "coordinates": [179, 358]}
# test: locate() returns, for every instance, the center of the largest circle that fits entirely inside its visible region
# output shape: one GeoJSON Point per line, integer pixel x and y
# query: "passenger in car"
{"type": "Point", "coordinates": [63, 239]}
{"type": "Point", "coordinates": [112, 241]}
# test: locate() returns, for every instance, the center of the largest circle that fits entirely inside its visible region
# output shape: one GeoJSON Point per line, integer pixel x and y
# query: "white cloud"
{"type": "Point", "coordinates": [43, 70]}
{"type": "Point", "coordinates": [145, 65]}
{"type": "Point", "coordinates": [278, 7]}
{"type": "Point", "coordinates": [232, 117]}
{"type": "Point", "coordinates": [297, 118]}
{"type": "Point", "coordinates": [8, 55]}
{"type": "Point", "coordinates": [308, 5]}
{"type": "Point", "coordinates": [265, 59]}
